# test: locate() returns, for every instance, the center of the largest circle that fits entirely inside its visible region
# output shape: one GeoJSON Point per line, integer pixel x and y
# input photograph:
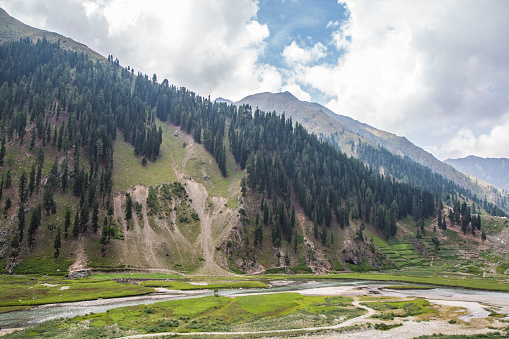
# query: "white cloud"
{"type": "Point", "coordinates": [492, 144]}
{"type": "Point", "coordinates": [212, 47]}
{"type": "Point", "coordinates": [426, 70]}
{"type": "Point", "coordinates": [295, 55]}
{"type": "Point", "coordinates": [434, 71]}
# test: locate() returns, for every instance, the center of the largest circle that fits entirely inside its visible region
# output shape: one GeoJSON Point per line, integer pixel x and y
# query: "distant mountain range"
{"type": "Point", "coordinates": [494, 171]}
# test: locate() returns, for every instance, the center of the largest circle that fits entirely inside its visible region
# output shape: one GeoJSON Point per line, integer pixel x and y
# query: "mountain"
{"type": "Point", "coordinates": [13, 29]}
{"type": "Point", "coordinates": [494, 171]}
{"type": "Point", "coordinates": [102, 169]}
{"type": "Point", "coordinates": [223, 100]}
{"type": "Point", "coordinates": [348, 132]}
{"type": "Point", "coordinates": [313, 119]}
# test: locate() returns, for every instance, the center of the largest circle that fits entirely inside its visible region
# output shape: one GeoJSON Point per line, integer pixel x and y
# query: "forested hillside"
{"type": "Point", "coordinates": [393, 155]}
{"type": "Point", "coordinates": [62, 113]}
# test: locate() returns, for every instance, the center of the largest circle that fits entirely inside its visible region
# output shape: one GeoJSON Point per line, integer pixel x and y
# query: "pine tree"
{"type": "Point", "coordinates": [21, 187]}
{"type": "Point", "coordinates": [76, 227]}
{"type": "Point", "coordinates": [49, 202]}
{"type": "Point", "coordinates": [32, 140]}
{"type": "Point", "coordinates": [197, 134]}
{"type": "Point", "coordinates": [53, 174]}
{"type": "Point", "coordinates": [65, 174]}
{"type": "Point", "coordinates": [292, 218]}
{"type": "Point", "coordinates": [128, 207]}
{"type": "Point", "coordinates": [324, 235]}
{"type": "Point", "coordinates": [67, 223]}
{"type": "Point", "coordinates": [7, 183]}
{"type": "Point", "coordinates": [84, 216]}
{"type": "Point", "coordinates": [95, 217]}
{"type": "Point", "coordinates": [32, 228]}
{"type": "Point", "coordinates": [21, 221]}
{"type": "Point", "coordinates": [57, 244]}
{"type": "Point", "coordinates": [2, 151]}
{"type": "Point", "coordinates": [7, 205]}
{"type": "Point", "coordinates": [31, 181]}
{"type": "Point", "coordinates": [40, 164]}
{"type": "Point", "coordinates": [60, 137]}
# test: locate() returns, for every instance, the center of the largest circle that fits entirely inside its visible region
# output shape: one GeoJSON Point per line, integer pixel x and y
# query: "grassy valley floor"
{"type": "Point", "coordinates": [346, 311]}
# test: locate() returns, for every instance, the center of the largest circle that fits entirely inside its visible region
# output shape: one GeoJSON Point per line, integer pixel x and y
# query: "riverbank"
{"type": "Point", "coordinates": [470, 282]}
{"type": "Point", "coordinates": [225, 315]}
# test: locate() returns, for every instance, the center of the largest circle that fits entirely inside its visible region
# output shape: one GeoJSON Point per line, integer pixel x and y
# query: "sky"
{"type": "Point", "coordinates": [436, 72]}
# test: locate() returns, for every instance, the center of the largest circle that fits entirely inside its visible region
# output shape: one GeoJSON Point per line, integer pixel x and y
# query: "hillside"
{"type": "Point", "coordinates": [314, 120]}
{"type": "Point", "coordinates": [12, 29]}
{"type": "Point", "coordinates": [348, 132]}
{"type": "Point", "coordinates": [494, 171]}
{"type": "Point", "coordinates": [106, 170]}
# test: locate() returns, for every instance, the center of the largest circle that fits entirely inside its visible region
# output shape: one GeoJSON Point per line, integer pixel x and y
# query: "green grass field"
{"type": "Point", "coordinates": [263, 312]}
{"type": "Point", "coordinates": [399, 309]}
{"type": "Point", "coordinates": [23, 291]}
{"type": "Point", "coordinates": [128, 170]}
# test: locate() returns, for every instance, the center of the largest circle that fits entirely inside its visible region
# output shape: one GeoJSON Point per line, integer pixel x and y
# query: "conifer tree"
{"type": "Point", "coordinates": [35, 221]}
{"type": "Point", "coordinates": [7, 205]}
{"type": "Point", "coordinates": [76, 227]}
{"type": "Point", "coordinates": [2, 151]}
{"type": "Point", "coordinates": [21, 187]}
{"type": "Point", "coordinates": [95, 217]}
{"type": "Point", "coordinates": [7, 183]}
{"type": "Point", "coordinates": [65, 174]}
{"type": "Point", "coordinates": [57, 244]}
{"type": "Point", "coordinates": [21, 221]}
{"type": "Point", "coordinates": [67, 223]}
{"type": "Point", "coordinates": [128, 207]}
{"type": "Point", "coordinates": [31, 181]}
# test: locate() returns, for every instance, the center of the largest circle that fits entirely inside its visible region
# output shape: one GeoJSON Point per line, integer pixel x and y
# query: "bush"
{"type": "Point", "coordinates": [385, 327]}
{"type": "Point", "coordinates": [275, 270]}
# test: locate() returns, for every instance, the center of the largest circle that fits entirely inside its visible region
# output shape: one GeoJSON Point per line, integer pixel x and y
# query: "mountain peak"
{"type": "Point", "coordinates": [221, 99]}
{"type": "Point", "coordinates": [287, 95]}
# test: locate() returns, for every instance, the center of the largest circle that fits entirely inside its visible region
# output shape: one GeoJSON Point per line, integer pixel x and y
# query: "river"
{"type": "Point", "coordinates": [475, 301]}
